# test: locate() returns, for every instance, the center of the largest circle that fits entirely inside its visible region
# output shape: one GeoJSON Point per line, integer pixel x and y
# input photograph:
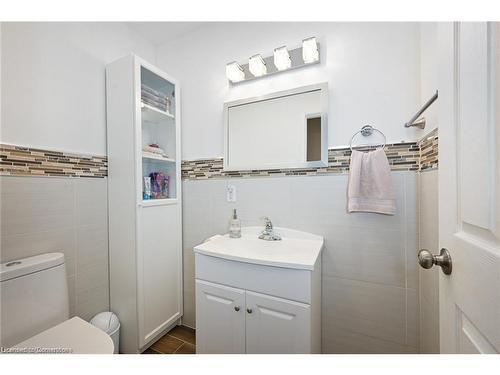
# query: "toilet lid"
{"type": "Point", "coordinates": [71, 336]}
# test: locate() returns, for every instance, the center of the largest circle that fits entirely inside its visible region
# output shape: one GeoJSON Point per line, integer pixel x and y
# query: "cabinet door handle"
{"type": "Point", "coordinates": [236, 308]}
{"type": "Point", "coordinates": [249, 311]}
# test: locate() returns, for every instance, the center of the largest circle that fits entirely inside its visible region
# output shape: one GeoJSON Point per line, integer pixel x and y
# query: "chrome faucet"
{"type": "Point", "coordinates": [268, 232]}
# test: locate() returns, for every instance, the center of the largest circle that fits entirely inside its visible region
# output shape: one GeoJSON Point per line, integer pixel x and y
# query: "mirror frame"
{"type": "Point", "coordinates": [323, 88]}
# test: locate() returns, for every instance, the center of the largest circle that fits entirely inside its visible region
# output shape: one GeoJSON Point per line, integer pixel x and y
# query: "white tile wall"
{"type": "Point", "coordinates": [40, 215]}
{"type": "Point", "coordinates": [429, 279]}
{"type": "Point", "coordinates": [370, 297]}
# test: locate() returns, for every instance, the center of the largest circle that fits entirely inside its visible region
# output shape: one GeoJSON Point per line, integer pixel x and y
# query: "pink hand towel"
{"type": "Point", "coordinates": [370, 183]}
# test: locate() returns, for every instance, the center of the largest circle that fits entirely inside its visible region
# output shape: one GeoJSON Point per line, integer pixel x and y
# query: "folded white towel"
{"type": "Point", "coordinates": [370, 183]}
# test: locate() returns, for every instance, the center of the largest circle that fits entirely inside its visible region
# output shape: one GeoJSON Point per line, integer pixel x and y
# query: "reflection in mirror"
{"type": "Point", "coordinates": [313, 138]}
{"type": "Point", "coordinates": [286, 129]}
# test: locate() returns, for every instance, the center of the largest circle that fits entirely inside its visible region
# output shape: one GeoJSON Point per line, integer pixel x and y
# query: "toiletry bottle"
{"type": "Point", "coordinates": [146, 195]}
{"type": "Point", "coordinates": [235, 226]}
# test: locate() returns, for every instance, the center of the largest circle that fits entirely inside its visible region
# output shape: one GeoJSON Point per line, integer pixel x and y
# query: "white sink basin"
{"type": "Point", "coordinates": [298, 250]}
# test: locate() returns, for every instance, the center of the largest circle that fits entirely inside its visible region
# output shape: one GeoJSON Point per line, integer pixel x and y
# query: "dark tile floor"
{"type": "Point", "coordinates": [180, 340]}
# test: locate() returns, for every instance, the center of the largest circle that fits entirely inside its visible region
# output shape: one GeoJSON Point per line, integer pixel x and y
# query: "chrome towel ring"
{"type": "Point", "coordinates": [366, 131]}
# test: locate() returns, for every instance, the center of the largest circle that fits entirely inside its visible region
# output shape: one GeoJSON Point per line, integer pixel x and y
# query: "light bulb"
{"type": "Point", "coordinates": [282, 59]}
{"type": "Point", "coordinates": [257, 66]}
{"type": "Point", "coordinates": [234, 72]}
{"type": "Point", "coordinates": [310, 51]}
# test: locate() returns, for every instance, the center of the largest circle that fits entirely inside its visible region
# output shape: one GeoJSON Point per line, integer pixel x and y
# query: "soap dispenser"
{"type": "Point", "coordinates": [235, 226]}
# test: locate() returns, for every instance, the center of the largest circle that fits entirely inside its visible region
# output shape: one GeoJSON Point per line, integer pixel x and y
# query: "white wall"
{"type": "Point", "coordinates": [53, 91]}
{"type": "Point", "coordinates": [68, 215]}
{"type": "Point", "coordinates": [428, 198]}
{"type": "Point", "coordinates": [1, 27]}
{"type": "Point", "coordinates": [429, 279]}
{"type": "Point", "coordinates": [372, 70]}
{"type": "Point", "coordinates": [53, 97]}
{"type": "Point", "coordinates": [428, 72]}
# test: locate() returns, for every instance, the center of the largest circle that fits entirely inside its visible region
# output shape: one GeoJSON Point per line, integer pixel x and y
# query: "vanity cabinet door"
{"type": "Point", "coordinates": [220, 319]}
{"type": "Point", "coordinates": [276, 325]}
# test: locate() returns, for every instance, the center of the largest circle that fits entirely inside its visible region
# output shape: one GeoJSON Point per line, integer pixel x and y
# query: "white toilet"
{"type": "Point", "coordinates": [35, 310]}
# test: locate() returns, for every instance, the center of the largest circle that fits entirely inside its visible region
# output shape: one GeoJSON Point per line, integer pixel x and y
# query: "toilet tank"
{"type": "Point", "coordinates": [34, 297]}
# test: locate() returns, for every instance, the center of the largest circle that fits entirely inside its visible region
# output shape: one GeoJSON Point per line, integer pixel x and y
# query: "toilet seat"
{"type": "Point", "coordinates": [74, 336]}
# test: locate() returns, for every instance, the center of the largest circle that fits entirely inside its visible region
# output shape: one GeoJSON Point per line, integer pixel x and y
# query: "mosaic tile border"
{"type": "Point", "coordinates": [26, 161]}
{"type": "Point", "coordinates": [429, 151]}
{"type": "Point", "coordinates": [402, 157]}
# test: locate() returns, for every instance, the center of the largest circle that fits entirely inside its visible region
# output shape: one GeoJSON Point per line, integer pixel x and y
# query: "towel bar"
{"type": "Point", "coordinates": [421, 123]}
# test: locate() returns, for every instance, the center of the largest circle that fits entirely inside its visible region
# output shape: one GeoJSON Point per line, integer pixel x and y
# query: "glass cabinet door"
{"type": "Point", "coordinates": [158, 137]}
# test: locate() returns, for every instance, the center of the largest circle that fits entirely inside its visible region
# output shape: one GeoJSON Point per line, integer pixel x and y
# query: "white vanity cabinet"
{"type": "Point", "coordinates": [232, 320]}
{"type": "Point", "coordinates": [258, 304]}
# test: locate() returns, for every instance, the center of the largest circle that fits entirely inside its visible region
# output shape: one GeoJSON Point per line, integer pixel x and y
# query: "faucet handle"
{"type": "Point", "coordinates": [268, 222]}
{"type": "Point", "coordinates": [268, 232]}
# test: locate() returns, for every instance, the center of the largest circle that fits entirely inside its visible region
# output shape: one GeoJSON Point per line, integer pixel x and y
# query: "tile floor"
{"type": "Point", "coordinates": [180, 340]}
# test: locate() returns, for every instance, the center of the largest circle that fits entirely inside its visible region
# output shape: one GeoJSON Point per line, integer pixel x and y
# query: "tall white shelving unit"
{"type": "Point", "coordinates": [145, 235]}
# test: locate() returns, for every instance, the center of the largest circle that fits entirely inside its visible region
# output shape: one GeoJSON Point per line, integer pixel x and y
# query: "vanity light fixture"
{"type": "Point", "coordinates": [234, 72]}
{"type": "Point", "coordinates": [282, 59]}
{"type": "Point", "coordinates": [257, 65]}
{"type": "Point", "coordinates": [310, 51]}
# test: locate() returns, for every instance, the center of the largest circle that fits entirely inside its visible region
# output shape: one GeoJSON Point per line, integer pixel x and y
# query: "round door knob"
{"type": "Point", "coordinates": [426, 260]}
{"type": "Point", "coordinates": [236, 308]}
{"type": "Point", "coordinates": [249, 311]}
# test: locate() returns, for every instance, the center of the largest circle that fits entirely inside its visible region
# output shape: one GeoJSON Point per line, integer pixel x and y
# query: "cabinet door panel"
{"type": "Point", "coordinates": [159, 270]}
{"type": "Point", "coordinates": [276, 325]}
{"type": "Point", "coordinates": [219, 327]}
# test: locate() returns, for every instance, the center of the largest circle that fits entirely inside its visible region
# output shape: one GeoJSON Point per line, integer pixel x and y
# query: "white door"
{"type": "Point", "coordinates": [276, 325]}
{"type": "Point", "coordinates": [220, 319]}
{"type": "Point", "coordinates": [469, 187]}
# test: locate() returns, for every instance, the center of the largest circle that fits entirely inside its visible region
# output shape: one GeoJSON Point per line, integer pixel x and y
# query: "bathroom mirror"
{"type": "Point", "coordinates": [287, 129]}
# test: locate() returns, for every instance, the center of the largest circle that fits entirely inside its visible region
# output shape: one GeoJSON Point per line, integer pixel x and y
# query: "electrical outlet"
{"type": "Point", "coordinates": [231, 193]}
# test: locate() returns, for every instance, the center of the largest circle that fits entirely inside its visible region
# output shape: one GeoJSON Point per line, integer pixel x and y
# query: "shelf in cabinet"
{"type": "Point", "coordinates": [152, 156]}
{"type": "Point", "coordinates": [158, 202]}
{"type": "Point", "coordinates": [153, 115]}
